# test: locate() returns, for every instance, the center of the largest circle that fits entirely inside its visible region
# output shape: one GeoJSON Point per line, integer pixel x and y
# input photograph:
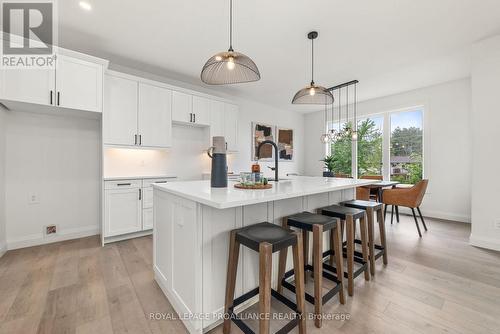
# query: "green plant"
{"type": "Point", "coordinates": [329, 162]}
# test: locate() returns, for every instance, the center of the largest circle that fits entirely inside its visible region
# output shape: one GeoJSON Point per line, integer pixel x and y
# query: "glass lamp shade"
{"type": "Point", "coordinates": [313, 94]}
{"type": "Point", "coordinates": [229, 67]}
{"type": "Point", "coordinates": [354, 135]}
{"type": "Point", "coordinates": [333, 136]}
{"type": "Point", "coordinates": [325, 139]}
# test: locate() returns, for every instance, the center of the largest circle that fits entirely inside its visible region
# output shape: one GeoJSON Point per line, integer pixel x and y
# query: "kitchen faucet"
{"type": "Point", "coordinates": [275, 156]}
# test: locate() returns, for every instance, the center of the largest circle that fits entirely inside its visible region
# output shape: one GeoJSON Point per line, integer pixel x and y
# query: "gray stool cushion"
{"type": "Point", "coordinates": [363, 205]}
{"type": "Point", "coordinates": [306, 220]}
{"type": "Point", "coordinates": [279, 237]}
{"type": "Point", "coordinates": [342, 212]}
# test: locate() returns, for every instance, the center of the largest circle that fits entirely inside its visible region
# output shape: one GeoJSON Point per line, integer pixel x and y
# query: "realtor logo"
{"type": "Point", "coordinates": [28, 34]}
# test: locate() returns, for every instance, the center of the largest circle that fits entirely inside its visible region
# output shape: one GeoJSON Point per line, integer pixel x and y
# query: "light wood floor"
{"type": "Point", "coordinates": [437, 284]}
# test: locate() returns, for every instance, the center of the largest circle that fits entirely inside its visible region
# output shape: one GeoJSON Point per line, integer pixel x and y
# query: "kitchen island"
{"type": "Point", "coordinates": [191, 237]}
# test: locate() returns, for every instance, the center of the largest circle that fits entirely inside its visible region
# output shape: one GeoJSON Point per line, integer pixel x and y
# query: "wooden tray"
{"type": "Point", "coordinates": [256, 186]}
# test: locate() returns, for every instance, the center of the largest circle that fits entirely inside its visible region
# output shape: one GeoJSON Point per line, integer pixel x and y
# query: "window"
{"type": "Point", "coordinates": [389, 145]}
{"type": "Point", "coordinates": [342, 152]}
{"type": "Point", "coordinates": [370, 150]}
{"type": "Point", "coordinates": [407, 146]}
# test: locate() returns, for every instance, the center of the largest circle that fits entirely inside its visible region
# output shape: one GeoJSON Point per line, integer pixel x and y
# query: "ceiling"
{"type": "Point", "coordinates": [391, 46]}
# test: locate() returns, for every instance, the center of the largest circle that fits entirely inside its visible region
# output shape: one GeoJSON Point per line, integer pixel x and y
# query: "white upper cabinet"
{"type": "Point", "coordinates": [120, 111]}
{"type": "Point", "coordinates": [75, 83]}
{"type": "Point", "coordinates": [231, 126]}
{"type": "Point", "coordinates": [182, 107]}
{"type": "Point", "coordinates": [78, 84]}
{"type": "Point", "coordinates": [136, 113]}
{"type": "Point", "coordinates": [31, 86]}
{"type": "Point", "coordinates": [201, 110]}
{"type": "Point", "coordinates": [216, 118]}
{"type": "Point", "coordinates": [155, 116]}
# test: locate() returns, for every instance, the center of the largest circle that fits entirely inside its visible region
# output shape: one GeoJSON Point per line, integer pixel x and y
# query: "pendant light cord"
{"type": "Point", "coordinates": [312, 61]}
{"type": "Point", "coordinates": [231, 26]}
{"type": "Point", "coordinates": [355, 107]}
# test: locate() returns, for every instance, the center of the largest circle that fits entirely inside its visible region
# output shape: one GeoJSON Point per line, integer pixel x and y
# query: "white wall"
{"type": "Point", "coordinates": [3, 127]}
{"type": "Point", "coordinates": [58, 159]}
{"type": "Point", "coordinates": [447, 147]}
{"type": "Point", "coordinates": [485, 122]}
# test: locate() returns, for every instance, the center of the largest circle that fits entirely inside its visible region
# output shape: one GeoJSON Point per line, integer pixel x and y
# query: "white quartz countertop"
{"type": "Point", "coordinates": [223, 198]}
{"type": "Point", "coordinates": [138, 177]}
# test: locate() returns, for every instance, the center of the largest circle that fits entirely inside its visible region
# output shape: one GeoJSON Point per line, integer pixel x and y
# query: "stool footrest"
{"type": "Point", "coordinates": [329, 295]}
{"type": "Point", "coordinates": [243, 298]}
{"type": "Point", "coordinates": [379, 254]}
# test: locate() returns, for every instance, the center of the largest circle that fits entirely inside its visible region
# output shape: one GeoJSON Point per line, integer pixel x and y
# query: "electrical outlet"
{"type": "Point", "coordinates": [33, 198]}
{"type": "Point", "coordinates": [50, 229]}
{"type": "Point", "coordinates": [497, 224]}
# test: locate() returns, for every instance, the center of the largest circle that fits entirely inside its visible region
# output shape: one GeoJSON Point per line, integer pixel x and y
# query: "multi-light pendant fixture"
{"type": "Point", "coordinates": [313, 94]}
{"type": "Point", "coordinates": [350, 129]}
{"type": "Point", "coordinates": [229, 67]}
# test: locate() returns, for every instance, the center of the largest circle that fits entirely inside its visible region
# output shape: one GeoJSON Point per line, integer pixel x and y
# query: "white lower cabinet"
{"type": "Point", "coordinates": [122, 208]}
{"type": "Point", "coordinates": [128, 206]}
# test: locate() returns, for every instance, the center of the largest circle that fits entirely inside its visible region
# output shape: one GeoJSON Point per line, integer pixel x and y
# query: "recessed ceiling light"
{"type": "Point", "coordinates": [85, 5]}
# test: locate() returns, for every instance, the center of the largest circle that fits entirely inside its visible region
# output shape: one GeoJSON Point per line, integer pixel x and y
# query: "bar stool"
{"type": "Point", "coordinates": [317, 224]}
{"type": "Point", "coordinates": [349, 216]}
{"type": "Point", "coordinates": [266, 239]}
{"type": "Point", "coordinates": [371, 208]}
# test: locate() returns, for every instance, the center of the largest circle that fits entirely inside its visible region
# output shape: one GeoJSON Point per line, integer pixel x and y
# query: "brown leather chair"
{"type": "Point", "coordinates": [407, 197]}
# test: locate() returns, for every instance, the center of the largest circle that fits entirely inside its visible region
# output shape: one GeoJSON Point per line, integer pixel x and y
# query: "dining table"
{"type": "Point", "coordinates": [380, 186]}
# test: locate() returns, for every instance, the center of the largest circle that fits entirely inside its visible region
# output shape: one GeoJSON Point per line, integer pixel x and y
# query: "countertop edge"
{"type": "Point", "coordinates": [146, 177]}
{"type": "Point", "coordinates": [271, 198]}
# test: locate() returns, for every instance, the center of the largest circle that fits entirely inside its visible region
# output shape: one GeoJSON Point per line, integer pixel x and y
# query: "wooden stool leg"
{"type": "Point", "coordinates": [332, 247]}
{"type": "Point", "coordinates": [318, 272]}
{"type": "Point", "coordinates": [282, 261]}
{"type": "Point", "coordinates": [298, 266]}
{"type": "Point", "coordinates": [305, 249]}
{"type": "Point", "coordinates": [350, 255]}
{"type": "Point", "coordinates": [265, 268]}
{"type": "Point", "coordinates": [371, 240]}
{"type": "Point", "coordinates": [232, 267]}
{"type": "Point", "coordinates": [381, 226]}
{"type": "Point", "coordinates": [364, 244]}
{"type": "Point", "coordinates": [339, 259]}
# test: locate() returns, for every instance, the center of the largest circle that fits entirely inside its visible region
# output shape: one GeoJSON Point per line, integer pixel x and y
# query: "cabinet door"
{"type": "Point", "coordinates": [155, 116]}
{"type": "Point", "coordinates": [216, 119]}
{"type": "Point", "coordinates": [231, 126]}
{"type": "Point", "coordinates": [122, 211]}
{"type": "Point", "coordinates": [182, 107]}
{"type": "Point", "coordinates": [201, 110]}
{"type": "Point", "coordinates": [78, 84]}
{"type": "Point", "coordinates": [147, 219]}
{"type": "Point", "coordinates": [27, 85]}
{"type": "Point", "coordinates": [120, 111]}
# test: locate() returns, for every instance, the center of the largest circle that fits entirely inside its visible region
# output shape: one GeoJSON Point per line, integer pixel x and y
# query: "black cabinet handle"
{"type": "Point", "coordinates": [51, 97]}
{"type": "Point", "coordinates": [124, 184]}
{"type": "Point", "coordinates": [58, 98]}
{"type": "Point", "coordinates": [140, 139]}
{"type": "Point", "coordinates": [161, 182]}
{"type": "Point", "coordinates": [194, 119]}
{"type": "Point", "coordinates": [140, 194]}
{"type": "Point", "coordinates": [135, 139]}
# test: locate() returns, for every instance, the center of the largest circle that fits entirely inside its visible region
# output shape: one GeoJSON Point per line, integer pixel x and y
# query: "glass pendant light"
{"type": "Point", "coordinates": [229, 67]}
{"type": "Point", "coordinates": [325, 138]}
{"type": "Point", "coordinates": [313, 94]}
{"type": "Point", "coordinates": [355, 125]}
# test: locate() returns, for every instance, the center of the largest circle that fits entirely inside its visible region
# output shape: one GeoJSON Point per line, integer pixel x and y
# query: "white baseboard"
{"type": "Point", "coordinates": [39, 239]}
{"type": "Point", "coordinates": [488, 243]}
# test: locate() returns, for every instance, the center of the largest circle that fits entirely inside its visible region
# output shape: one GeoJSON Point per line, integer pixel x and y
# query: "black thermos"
{"type": "Point", "coordinates": [217, 153]}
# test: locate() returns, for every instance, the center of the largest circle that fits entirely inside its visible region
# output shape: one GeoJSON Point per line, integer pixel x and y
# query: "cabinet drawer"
{"type": "Point", "coordinates": [122, 184]}
{"type": "Point", "coordinates": [149, 182]}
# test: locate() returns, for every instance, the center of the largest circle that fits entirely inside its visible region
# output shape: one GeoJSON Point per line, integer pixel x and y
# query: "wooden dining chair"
{"type": "Point", "coordinates": [408, 197]}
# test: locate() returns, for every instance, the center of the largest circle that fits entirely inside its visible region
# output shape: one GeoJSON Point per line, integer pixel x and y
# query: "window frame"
{"type": "Point", "coordinates": [386, 139]}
